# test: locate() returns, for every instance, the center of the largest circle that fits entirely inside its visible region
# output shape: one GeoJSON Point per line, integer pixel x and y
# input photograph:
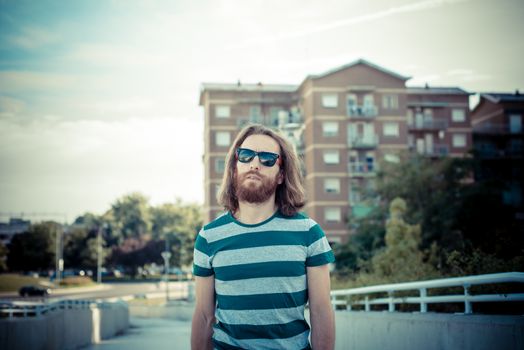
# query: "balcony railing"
{"type": "Point", "coordinates": [495, 129]}
{"type": "Point", "coordinates": [367, 111]}
{"type": "Point", "coordinates": [361, 141]}
{"type": "Point", "coordinates": [289, 120]}
{"type": "Point", "coordinates": [500, 153]}
{"type": "Point", "coordinates": [438, 150]}
{"type": "Point", "coordinates": [429, 125]}
{"type": "Point", "coordinates": [362, 168]}
{"type": "Point", "coordinates": [364, 296]}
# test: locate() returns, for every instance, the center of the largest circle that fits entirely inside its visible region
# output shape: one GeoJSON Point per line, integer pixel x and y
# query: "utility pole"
{"type": "Point", "coordinates": [99, 257]}
{"type": "Point", "coordinates": [59, 262]}
{"type": "Point", "coordinates": [166, 255]}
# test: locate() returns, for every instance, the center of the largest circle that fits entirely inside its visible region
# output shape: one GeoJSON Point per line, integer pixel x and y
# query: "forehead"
{"type": "Point", "coordinates": [261, 143]}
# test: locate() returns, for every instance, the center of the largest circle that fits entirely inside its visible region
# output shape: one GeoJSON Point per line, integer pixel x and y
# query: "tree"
{"type": "Point", "coordinates": [81, 249]}
{"type": "Point", "coordinates": [131, 215]}
{"type": "Point", "coordinates": [3, 257]}
{"type": "Point", "coordinates": [177, 224]}
{"type": "Point", "coordinates": [136, 252]}
{"type": "Point", "coordinates": [367, 239]}
{"type": "Point", "coordinates": [35, 249]}
{"type": "Point", "coordinates": [402, 259]}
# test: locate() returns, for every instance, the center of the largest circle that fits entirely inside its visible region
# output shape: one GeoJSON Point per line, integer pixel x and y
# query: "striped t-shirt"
{"type": "Point", "coordinates": [260, 279]}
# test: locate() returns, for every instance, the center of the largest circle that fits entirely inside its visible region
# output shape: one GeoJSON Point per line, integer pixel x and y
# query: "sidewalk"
{"type": "Point", "coordinates": [150, 333]}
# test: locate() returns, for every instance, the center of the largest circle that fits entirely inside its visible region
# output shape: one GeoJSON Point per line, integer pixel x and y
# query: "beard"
{"type": "Point", "coordinates": [254, 191]}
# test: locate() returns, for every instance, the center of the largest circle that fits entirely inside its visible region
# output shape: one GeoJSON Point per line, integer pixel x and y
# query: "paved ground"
{"type": "Point", "coordinates": [150, 333]}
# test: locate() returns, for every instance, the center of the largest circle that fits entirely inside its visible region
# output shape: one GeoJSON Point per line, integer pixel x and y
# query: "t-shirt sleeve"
{"type": "Point", "coordinates": [318, 252]}
{"type": "Point", "coordinates": [202, 257]}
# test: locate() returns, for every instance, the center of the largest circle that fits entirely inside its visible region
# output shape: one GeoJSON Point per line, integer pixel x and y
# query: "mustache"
{"type": "Point", "coordinates": [251, 172]}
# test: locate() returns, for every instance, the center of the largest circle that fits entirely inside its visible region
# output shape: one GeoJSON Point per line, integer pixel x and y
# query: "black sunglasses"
{"type": "Point", "coordinates": [246, 155]}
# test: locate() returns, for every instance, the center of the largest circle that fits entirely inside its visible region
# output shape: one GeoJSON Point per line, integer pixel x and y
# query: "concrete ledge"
{"type": "Point", "coordinates": [429, 331]}
{"type": "Point", "coordinates": [63, 329]}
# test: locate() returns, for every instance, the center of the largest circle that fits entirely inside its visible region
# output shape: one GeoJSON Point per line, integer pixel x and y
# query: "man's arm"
{"type": "Point", "coordinates": [204, 315]}
{"type": "Point", "coordinates": [320, 309]}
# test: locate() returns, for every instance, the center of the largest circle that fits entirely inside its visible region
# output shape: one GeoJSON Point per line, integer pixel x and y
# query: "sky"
{"type": "Point", "coordinates": [99, 99]}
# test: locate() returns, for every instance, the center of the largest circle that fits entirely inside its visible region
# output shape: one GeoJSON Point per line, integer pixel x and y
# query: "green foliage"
{"type": "Point", "coordinates": [35, 249]}
{"type": "Point", "coordinates": [131, 215]}
{"type": "Point", "coordinates": [368, 238]}
{"type": "Point", "coordinates": [3, 257]}
{"type": "Point", "coordinates": [81, 248]}
{"type": "Point", "coordinates": [401, 260]}
{"type": "Point", "coordinates": [465, 228]}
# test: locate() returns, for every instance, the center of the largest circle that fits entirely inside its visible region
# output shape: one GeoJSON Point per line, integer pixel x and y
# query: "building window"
{"type": "Point", "coordinates": [332, 214]}
{"type": "Point", "coordinates": [330, 129]}
{"type": "Point", "coordinates": [392, 158]}
{"type": "Point", "coordinates": [220, 165]}
{"type": "Point", "coordinates": [329, 100]}
{"type": "Point", "coordinates": [222, 111]}
{"type": "Point", "coordinates": [217, 190]}
{"type": "Point", "coordinates": [459, 140]}
{"type": "Point", "coordinates": [273, 115]}
{"type": "Point", "coordinates": [222, 138]}
{"type": "Point", "coordinates": [352, 104]}
{"type": "Point", "coordinates": [390, 101]}
{"type": "Point", "coordinates": [255, 114]}
{"type": "Point", "coordinates": [458, 115]}
{"type": "Point", "coordinates": [332, 185]}
{"type": "Point", "coordinates": [515, 123]}
{"type": "Point", "coordinates": [391, 129]}
{"type": "Point", "coordinates": [331, 157]}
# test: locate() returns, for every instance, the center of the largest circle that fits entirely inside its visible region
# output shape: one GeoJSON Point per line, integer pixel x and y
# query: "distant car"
{"type": "Point", "coordinates": [30, 291]}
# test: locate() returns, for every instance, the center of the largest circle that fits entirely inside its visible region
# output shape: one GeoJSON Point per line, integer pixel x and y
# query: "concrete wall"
{"type": "Point", "coordinates": [63, 329]}
{"type": "Point", "coordinates": [404, 331]}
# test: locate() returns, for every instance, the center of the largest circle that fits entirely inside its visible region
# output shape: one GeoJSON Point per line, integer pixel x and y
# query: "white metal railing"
{"type": "Point", "coordinates": [342, 298]}
{"type": "Point", "coordinates": [11, 309]}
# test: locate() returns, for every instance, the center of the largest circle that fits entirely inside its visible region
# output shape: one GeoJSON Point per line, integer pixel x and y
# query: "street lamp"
{"type": "Point", "coordinates": [166, 255]}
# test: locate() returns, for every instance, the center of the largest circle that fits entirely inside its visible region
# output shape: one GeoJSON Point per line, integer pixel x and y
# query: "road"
{"type": "Point", "coordinates": [110, 290]}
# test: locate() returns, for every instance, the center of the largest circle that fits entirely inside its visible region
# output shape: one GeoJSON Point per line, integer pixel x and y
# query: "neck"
{"type": "Point", "coordinates": [254, 213]}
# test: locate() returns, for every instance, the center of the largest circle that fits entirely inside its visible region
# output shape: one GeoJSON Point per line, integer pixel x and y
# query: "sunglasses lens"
{"type": "Point", "coordinates": [245, 155]}
{"type": "Point", "coordinates": [268, 159]}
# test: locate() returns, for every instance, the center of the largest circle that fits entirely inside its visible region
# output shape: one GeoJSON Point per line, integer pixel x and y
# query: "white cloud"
{"type": "Point", "coordinates": [94, 162]}
{"type": "Point", "coordinates": [10, 107]}
{"type": "Point", "coordinates": [411, 7]}
{"type": "Point", "coordinates": [31, 37]}
{"type": "Point", "coordinates": [111, 55]}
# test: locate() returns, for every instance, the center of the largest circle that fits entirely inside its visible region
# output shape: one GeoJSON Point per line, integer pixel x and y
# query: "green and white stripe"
{"type": "Point", "coordinates": [260, 278]}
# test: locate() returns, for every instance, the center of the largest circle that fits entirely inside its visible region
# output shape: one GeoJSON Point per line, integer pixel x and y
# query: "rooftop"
{"type": "Point", "coordinates": [437, 90]}
{"type": "Point", "coordinates": [503, 97]}
{"type": "Point", "coordinates": [249, 87]}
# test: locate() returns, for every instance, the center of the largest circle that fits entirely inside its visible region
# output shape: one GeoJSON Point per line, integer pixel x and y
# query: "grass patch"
{"type": "Point", "coordinates": [76, 281]}
{"type": "Point", "coordinates": [10, 282]}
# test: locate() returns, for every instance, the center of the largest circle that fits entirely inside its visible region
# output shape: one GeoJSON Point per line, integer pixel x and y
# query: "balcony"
{"type": "Point", "coordinates": [284, 121]}
{"type": "Point", "coordinates": [496, 129]}
{"type": "Point", "coordinates": [428, 125]}
{"type": "Point", "coordinates": [363, 141]}
{"type": "Point", "coordinates": [362, 168]}
{"type": "Point", "coordinates": [506, 153]}
{"type": "Point", "coordinates": [366, 112]}
{"type": "Point", "coordinates": [438, 150]}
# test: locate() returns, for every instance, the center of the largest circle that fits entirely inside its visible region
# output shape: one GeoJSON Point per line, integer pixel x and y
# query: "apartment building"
{"type": "Point", "coordinates": [499, 144]}
{"type": "Point", "coordinates": [344, 123]}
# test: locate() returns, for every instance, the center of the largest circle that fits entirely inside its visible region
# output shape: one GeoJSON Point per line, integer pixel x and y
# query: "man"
{"type": "Point", "coordinates": [257, 265]}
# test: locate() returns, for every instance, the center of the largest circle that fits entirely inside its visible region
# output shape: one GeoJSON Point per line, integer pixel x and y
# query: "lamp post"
{"type": "Point", "coordinates": [99, 256]}
{"type": "Point", "coordinates": [166, 255]}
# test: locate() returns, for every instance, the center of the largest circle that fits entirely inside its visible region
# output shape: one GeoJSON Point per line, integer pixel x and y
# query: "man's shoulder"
{"type": "Point", "coordinates": [301, 219]}
{"type": "Point", "coordinates": [221, 220]}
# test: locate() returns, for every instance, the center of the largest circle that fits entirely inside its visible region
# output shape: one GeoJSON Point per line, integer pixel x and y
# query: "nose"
{"type": "Point", "coordinates": [255, 163]}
